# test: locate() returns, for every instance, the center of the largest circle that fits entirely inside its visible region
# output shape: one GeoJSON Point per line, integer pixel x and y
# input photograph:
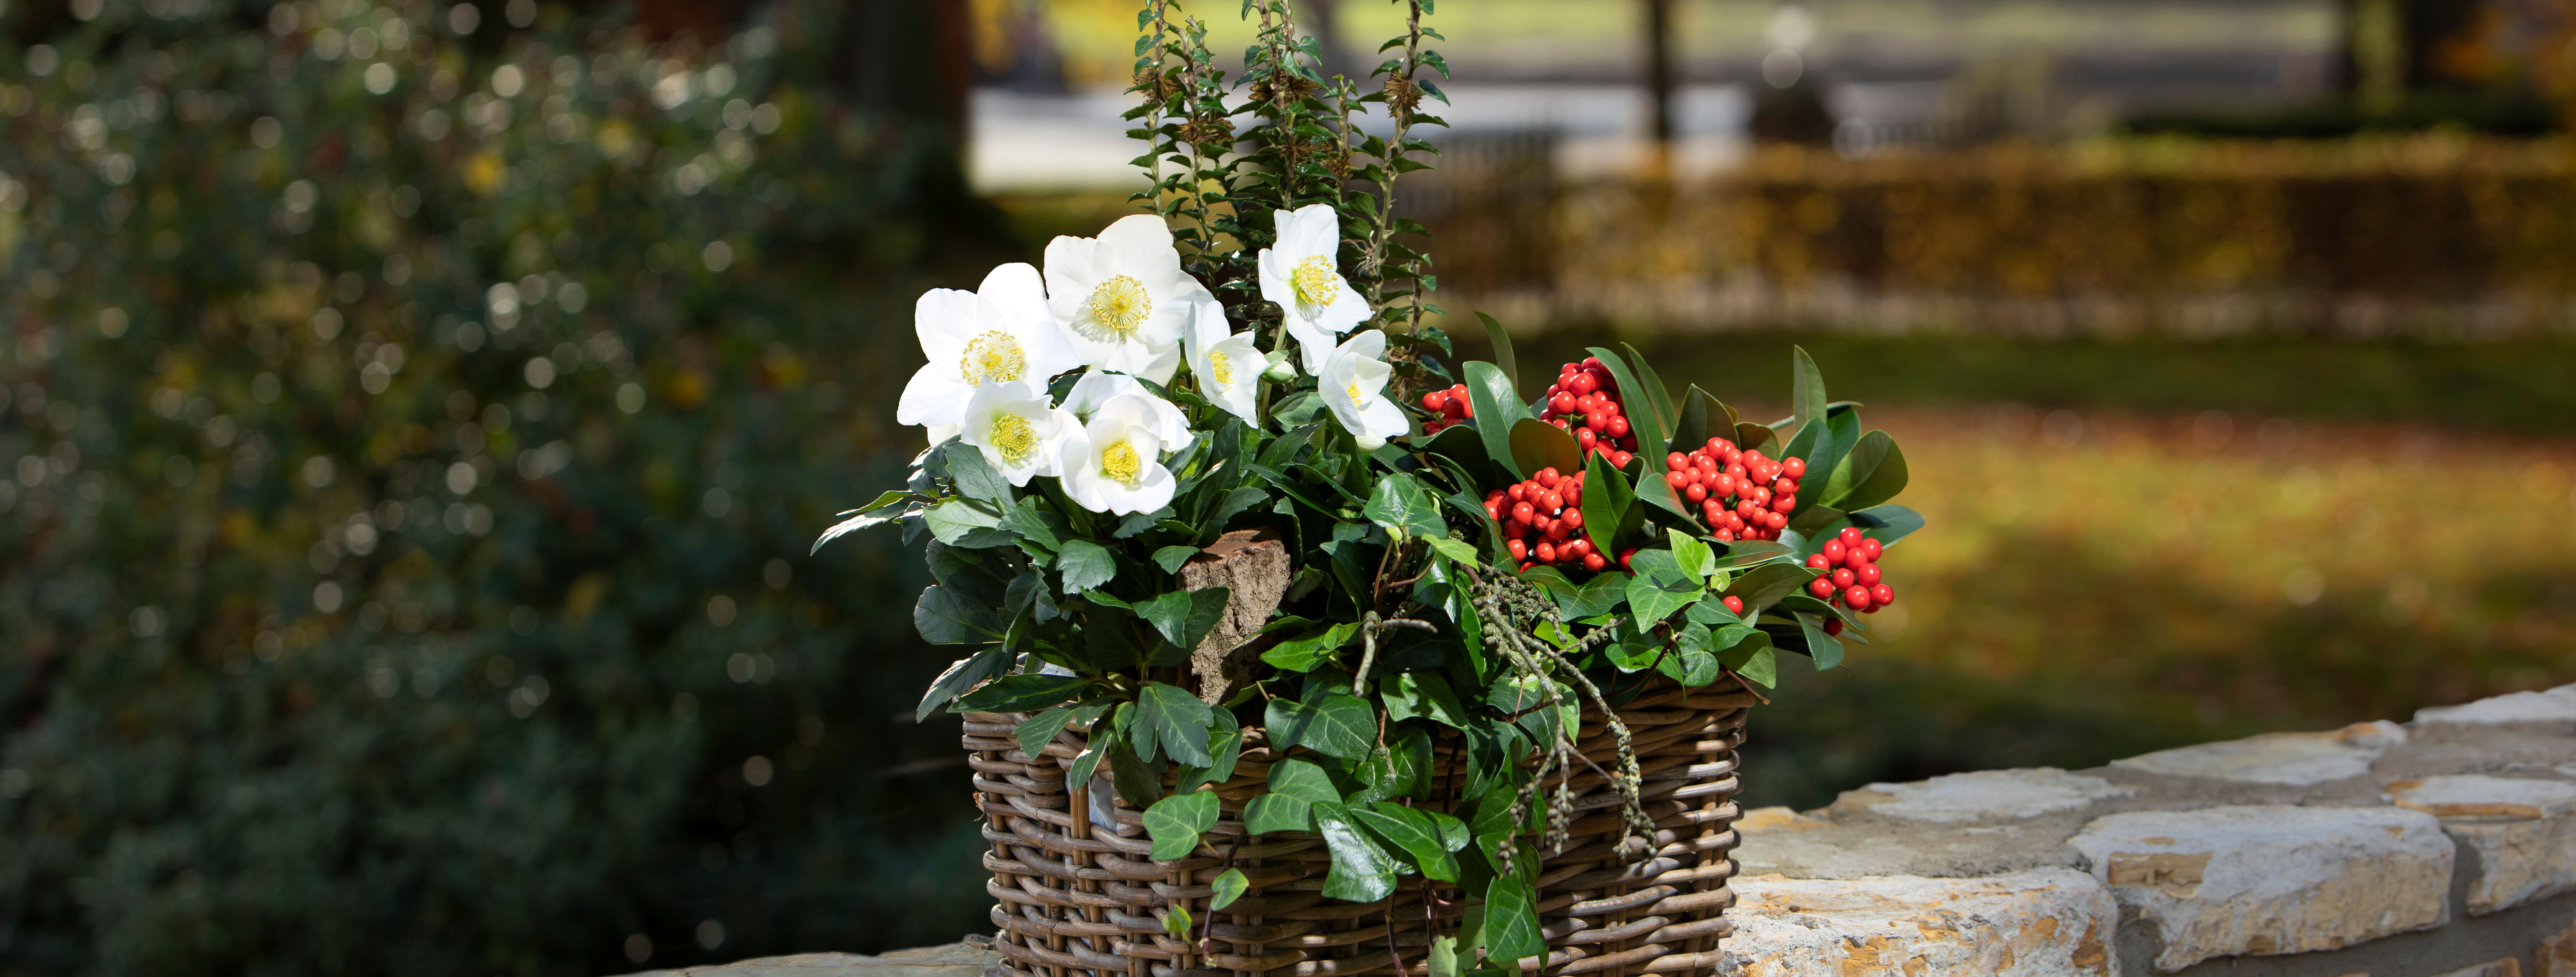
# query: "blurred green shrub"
{"type": "Point", "coordinates": [411, 427]}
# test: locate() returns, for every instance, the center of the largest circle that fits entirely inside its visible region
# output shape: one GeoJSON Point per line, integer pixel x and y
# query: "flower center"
{"type": "Point", "coordinates": [1357, 399]}
{"type": "Point", "coordinates": [993, 357]}
{"type": "Point", "coordinates": [1315, 281]}
{"type": "Point", "coordinates": [1119, 463]}
{"type": "Point", "coordinates": [1013, 436]}
{"type": "Point", "coordinates": [1115, 310]}
{"type": "Point", "coordinates": [1221, 368]}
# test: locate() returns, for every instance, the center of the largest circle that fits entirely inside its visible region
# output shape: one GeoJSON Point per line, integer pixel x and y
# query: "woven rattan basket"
{"type": "Point", "coordinates": [1079, 900]}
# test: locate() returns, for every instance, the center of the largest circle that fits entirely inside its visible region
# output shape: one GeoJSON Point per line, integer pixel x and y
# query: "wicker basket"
{"type": "Point", "coordinates": [1078, 900]}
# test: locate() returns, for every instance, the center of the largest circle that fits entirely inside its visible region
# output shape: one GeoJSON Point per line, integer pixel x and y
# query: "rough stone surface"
{"type": "Point", "coordinates": [2557, 705]}
{"type": "Point", "coordinates": [2499, 967]}
{"type": "Point", "coordinates": [1981, 796]}
{"type": "Point", "coordinates": [2272, 879]}
{"type": "Point", "coordinates": [2523, 830]}
{"type": "Point", "coordinates": [953, 960]}
{"type": "Point", "coordinates": [2044, 923]}
{"type": "Point", "coordinates": [1253, 565]}
{"type": "Point", "coordinates": [2294, 759]}
{"type": "Point", "coordinates": [2556, 956]}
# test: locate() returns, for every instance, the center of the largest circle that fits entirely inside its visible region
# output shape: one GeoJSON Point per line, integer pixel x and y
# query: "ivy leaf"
{"type": "Point", "coordinates": [1410, 833]}
{"type": "Point", "coordinates": [1693, 664]}
{"type": "Point", "coordinates": [1303, 653]}
{"type": "Point", "coordinates": [1177, 721]}
{"type": "Point", "coordinates": [1176, 920]}
{"type": "Point", "coordinates": [1086, 565]}
{"type": "Point", "coordinates": [1183, 617]}
{"type": "Point", "coordinates": [960, 676]}
{"type": "Point", "coordinates": [1362, 871]}
{"type": "Point", "coordinates": [1691, 556]}
{"type": "Point", "coordinates": [1340, 726]}
{"type": "Point", "coordinates": [1277, 812]}
{"type": "Point", "coordinates": [1176, 821]}
{"type": "Point", "coordinates": [1398, 769]}
{"type": "Point", "coordinates": [1021, 693]}
{"type": "Point", "coordinates": [1229, 887]}
{"type": "Point", "coordinates": [1443, 956]}
{"type": "Point", "coordinates": [1511, 921]}
{"type": "Point", "coordinates": [1044, 727]}
{"type": "Point", "coordinates": [1457, 550]}
{"type": "Point", "coordinates": [1652, 600]}
{"type": "Point", "coordinates": [1424, 694]}
{"type": "Point", "coordinates": [1404, 506]}
{"type": "Point", "coordinates": [1225, 745]}
{"type": "Point", "coordinates": [1170, 558]}
{"type": "Point", "coordinates": [1304, 780]}
{"type": "Point", "coordinates": [1139, 781]}
{"type": "Point", "coordinates": [1453, 832]}
{"type": "Point", "coordinates": [945, 618]}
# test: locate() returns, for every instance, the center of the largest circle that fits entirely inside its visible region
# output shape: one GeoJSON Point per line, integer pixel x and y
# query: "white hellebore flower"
{"type": "Point", "coordinates": [1114, 465]}
{"type": "Point", "coordinates": [1298, 274]}
{"type": "Point", "coordinates": [1022, 435]}
{"type": "Point", "coordinates": [1097, 388]}
{"type": "Point", "coordinates": [1227, 364]}
{"type": "Point", "coordinates": [999, 333]}
{"type": "Point", "coordinates": [1123, 297]}
{"type": "Point", "coordinates": [1353, 384]}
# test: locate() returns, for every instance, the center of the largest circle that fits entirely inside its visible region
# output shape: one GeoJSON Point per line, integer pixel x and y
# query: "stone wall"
{"type": "Point", "coordinates": [2445, 847]}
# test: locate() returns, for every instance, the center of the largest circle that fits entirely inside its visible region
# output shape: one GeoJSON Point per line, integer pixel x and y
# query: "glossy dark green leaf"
{"type": "Point", "coordinates": [1764, 585]}
{"type": "Point", "coordinates": [1511, 919]}
{"type": "Point", "coordinates": [1183, 617]}
{"type": "Point", "coordinates": [1654, 491]}
{"type": "Point", "coordinates": [1607, 497]}
{"type": "Point", "coordinates": [1170, 558]}
{"type": "Point", "coordinates": [1277, 812]}
{"type": "Point", "coordinates": [1022, 693]}
{"type": "Point", "coordinates": [1044, 727]}
{"type": "Point", "coordinates": [1175, 823]}
{"type": "Point", "coordinates": [1362, 871]}
{"type": "Point", "coordinates": [960, 676]}
{"type": "Point", "coordinates": [1453, 832]}
{"type": "Point", "coordinates": [1822, 647]}
{"type": "Point", "coordinates": [1402, 505]}
{"type": "Point", "coordinates": [1177, 721]}
{"type": "Point", "coordinates": [945, 618]}
{"type": "Point", "coordinates": [1498, 409]}
{"type": "Point", "coordinates": [1400, 768]}
{"type": "Point", "coordinates": [1139, 781]}
{"type": "Point", "coordinates": [1887, 523]}
{"type": "Point", "coordinates": [1745, 553]}
{"type": "Point", "coordinates": [1339, 726]}
{"type": "Point", "coordinates": [1635, 403]}
{"type": "Point", "coordinates": [1752, 436]}
{"type": "Point", "coordinates": [975, 478]}
{"type": "Point", "coordinates": [1806, 386]}
{"type": "Point", "coordinates": [1504, 358]}
{"type": "Point", "coordinates": [1537, 444]}
{"type": "Point", "coordinates": [1086, 565]}
{"type": "Point", "coordinates": [1755, 659]}
{"type": "Point", "coordinates": [1424, 694]}
{"type": "Point", "coordinates": [1315, 647]}
{"type": "Point", "coordinates": [1303, 779]}
{"type": "Point", "coordinates": [1407, 831]}
{"type": "Point", "coordinates": [1225, 745]}
{"type": "Point", "coordinates": [1694, 659]}
{"type": "Point", "coordinates": [1842, 428]}
{"type": "Point", "coordinates": [1666, 412]}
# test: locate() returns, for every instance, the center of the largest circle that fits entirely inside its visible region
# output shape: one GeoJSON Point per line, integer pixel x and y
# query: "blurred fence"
{"type": "Point", "coordinates": [413, 420]}
{"type": "Point", "coordinates": [2431, 235]}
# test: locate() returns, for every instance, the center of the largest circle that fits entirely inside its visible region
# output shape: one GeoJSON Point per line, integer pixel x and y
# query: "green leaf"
{"type": "Point", "coordinates": [1764, 585]}
{"type": "Point", "coordinates": [1695, 662]}
{"type": "Point", "coordinates": [1138, 781]}
{"type": "Point", "coordinates": [1424, 694]}
{"type": "Point", "coordinates": [1607, 497]}
{"type": "Point", "coordinates": [1184, 617]}
{"type": "Point", "coordinates": [1177, 721]}
{"type": "Point", "coordinates": [1362, 871]}
{"type": "Point", "coordinates": [1229, 886]}
{"type": "Point", "coordinates": [1806, 387]}
{"type": "Point", "coordinates": [1599, 595]}
{"type": "Point", "coordinates": [1044, 727]}
{"type": "Point", "coordinates": [1443, 957]}
{"type": "Point", "coordinates": [1498, 409]}
{"type": "Point", "coordinates": [1304, 780]}
{"type": "Point", "coordinates": [975, 478]}
{"type": "Point", "coordinates": [1176, 920]}
{"type": "Point", "coordinates": [1401, 768]}
{"type": "Point", "coordinates": [1501, 342]}
{"type": "Point", "coordinates": [1086, 565]}
{"type": "Point", "coordinates": [1692, 556]}
{"type": "Point", "coordinates": [1887, 523]}
{"type": "Point", "coordinates": [1644, 418]}
{"type": "Point", "coordinates": [1653, 490]}
{"type": "Point", "coordinates": [1631, 656]}
{"type": "Point", "coordinates": [1511, 920]}
{"type": "Point", "coordinates": [1458, 550]}
{"type": "Point", "coordinates": [1303, 653]}
{"type": "Point", "coordinates": [1752, 436]}
{"type": "Point", "coordinates": [1653, 601]}
{"type": "Point", "coordinates": [951, 521]}
{"type": "Point", "coordinates": [1022, 693]}
{"type": "Point", "coordinates": [1842, 433]}
{"type": "Point", "coordinates": [1170, 558]}
{"type": "Point", "coordinates": [1747, 552]}
{"type": "Point", "coordinates": [1411, 833]}
{"type": "Point", "coordinates": [960, 676]}
{"type": "Point", "coordinates": [1403, 505]}
{"type": "Point", "coordinates": [1277, 812]}
{"type": "Point", "coordinates": [1820, 646]}
{"type": "Point", "coordinates": [1225, 744]}
{"type": "Point", "coordinates": [1755, 659]}
{"type": "Point", "coordinates": [1176, 821]}
{"type": "Point", "coordinates": [1657, 394]}
{"type": "Point", "coordinates": [1341, 726]}
{"type": "Point", "coordinates": [945, 618]}
{"type": "Point", "coordinates": [1537, 444]}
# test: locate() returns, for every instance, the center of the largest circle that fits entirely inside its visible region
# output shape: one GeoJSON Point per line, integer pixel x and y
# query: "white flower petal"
{"type": "Point", "coordinates": [1018, 290]}
{"type": "Point", "coordinates": [942, 319]}
{"type": "Point", "coordinates": [934, 396]}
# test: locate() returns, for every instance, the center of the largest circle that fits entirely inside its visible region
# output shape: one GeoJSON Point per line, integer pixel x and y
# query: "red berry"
{"type": "Point", "coordinates": [1619, 459]}
{"type": "Point", "coordinates": [1520, 550]}
{"type": "Point", "coordinates": [1573, 495]}
{"type": "Point", "coordinates": [1734, 604]}
{"type": "Point", "coordinates": [1785, 486]}
{"type": "Point", "coordinates": [1455, 406]}
{"type": "Point", "coordinates": [1524, 513]}
{"type": "Point", "coordinates": [1551, 501]}
{"type": "Point", "coordinates": [1833, 626]}
{"type": "Point", "coordinates": [1844, 577]}
{"type": "Point", "coordinates": [1677, 480]}
{"type": "Point", "coordinates": [1561, 424]}
{"type": "Point", "coordinates": [1694, 493]}
{"type": "Point", "coordinates": [1547, 477]}
{"type": "Point", "coordinates": [1725, 485]}
{"type": "Point", "coordinates": [1849, 535]}
{"type": "Point", "coordinates": [1868, 574]}
{"type": "Point", "coordinates": [1784, 503]}
{"type": "Point", "coordinates": [1584, 383]}
{"type": "Point", "coordinates": [1526, 567]}
{"type": "Point", "coordinates": [1676, 461]}
{"type": "Point", "coordinates": [1593, 561]}
{"type": "Point", "coordinates": [1822, 587]}
{"type": "Point", "coordinates": [1547, 554]}
{"type": "Point", "coordinates": [1796, 467]}
{"type": "Point", "coordinates": [1857, 597]}
{"type": "Point", "coordinates": [1881, 595]}
{"type": "Point", "coordinates": [1624, 555]}
{"type": "Point", "coordinates": [1873, 548]}
{"type": "Point", "coordinates": [1584, 437]}
{"type": "Point", "coordinates": [1832, 554]}
{"type": "Point", "coordinates": [1719, 446]}
{"type": "Point", "coordinates": [1821, 561]}
{"type": "Point", "coordinates": [1779, 520]}
{"type": "Point", "coordinates": [1433, 400]}
{"type": "Point", "coordinates": [1573, 519]}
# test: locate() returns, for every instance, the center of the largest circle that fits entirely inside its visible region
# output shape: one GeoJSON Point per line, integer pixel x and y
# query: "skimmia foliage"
{"type": "Point", "coordinates": [1469, 565]}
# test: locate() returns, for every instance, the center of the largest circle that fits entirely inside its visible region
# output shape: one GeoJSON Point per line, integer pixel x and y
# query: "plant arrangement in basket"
{"type": "Point", "coordinates": [1239, 541]}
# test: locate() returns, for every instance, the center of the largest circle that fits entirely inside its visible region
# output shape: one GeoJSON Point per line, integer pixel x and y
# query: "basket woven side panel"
{"type": "Point", "coordinates": [1075, 898]}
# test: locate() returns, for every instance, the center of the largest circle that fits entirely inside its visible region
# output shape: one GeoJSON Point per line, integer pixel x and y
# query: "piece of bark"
{"type": "Point", "coordinates": [1253, 565]}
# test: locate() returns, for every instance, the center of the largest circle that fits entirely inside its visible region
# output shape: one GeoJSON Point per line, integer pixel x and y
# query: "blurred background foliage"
{"type": "Point", "coordinates": [416, 418]}
{"type": "Point", "coordinates": [413, 418]}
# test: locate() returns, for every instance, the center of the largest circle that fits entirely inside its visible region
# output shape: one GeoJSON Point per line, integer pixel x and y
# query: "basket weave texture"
{"type": "Point", "coordinates": [1075, 899]}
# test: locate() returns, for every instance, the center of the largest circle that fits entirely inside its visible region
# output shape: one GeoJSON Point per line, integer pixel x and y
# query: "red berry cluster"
{"type": "Point", "coordinates": [1543, 521]}
{"type": "Point", "coordinates": [1583, 401]}
{"type": "Point", "coordinates": [1854, 580]}
{"type": "Point", "coordinates": [1743, 495]}
{"type": "Point", "coordinates": [1447, 407]}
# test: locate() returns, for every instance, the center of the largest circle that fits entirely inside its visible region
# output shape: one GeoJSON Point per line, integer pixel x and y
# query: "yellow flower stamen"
{"type": "Point", "coordinates": [1115, 310]}
{"type": "Point", "coordinates": [1357, 400]}
{"type": "Point", "coordinates": [993, 357]}
{"type": "Point", "coordinates": [1221, 368]}
{"type": "Point", "coordinates": [1014, 437]}
{"type": "Point", "coordinates": [1119, 463]}
{"type": "Point", "coordinates": [1315, 281]}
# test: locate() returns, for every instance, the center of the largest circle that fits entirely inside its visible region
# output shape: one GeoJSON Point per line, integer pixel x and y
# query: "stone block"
{"type": "Point", "coordinates": [2498, 967]}
{"type": "Point", "coordinates": [2050, 922]}
{"type": "Point", "coordinates": [953, 960]}
{"type": "Point", "coordinates": [1777, 819]}
{"type": "Point", "coordinates": [2556, 956]}
{"type": "Point", "coordinates": [2524, 832]}
{"type": "Point", "coordinates": [1983, 795]}
{"type": "Point", "coordinates": [2272, 879]}
{"type": "Point", "coordinates": [2556, 705]}
{"type": "Point", "coordinates": [2291, 759]}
